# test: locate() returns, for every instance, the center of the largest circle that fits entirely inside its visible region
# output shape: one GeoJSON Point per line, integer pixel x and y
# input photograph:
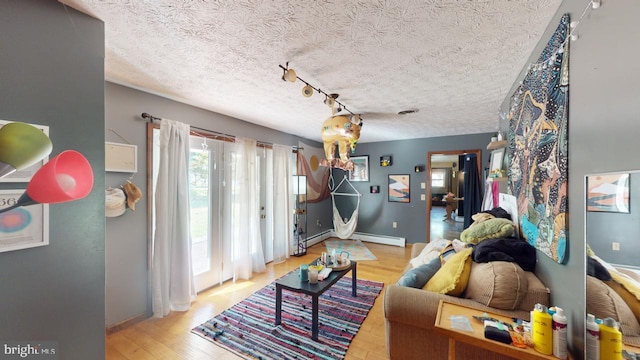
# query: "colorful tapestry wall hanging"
{"type": "Point", "coordinates": [538, 147]}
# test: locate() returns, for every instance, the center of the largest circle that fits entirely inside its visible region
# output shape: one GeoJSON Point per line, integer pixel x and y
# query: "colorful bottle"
{"type": "Point", "coordinates": [542, 331]}
{"type": "Point", "coordinates": [559, 325]}
{"type": "Point", "coordinates": [593, 338]}
{"type": "Point", "coordinates": [610, 340]}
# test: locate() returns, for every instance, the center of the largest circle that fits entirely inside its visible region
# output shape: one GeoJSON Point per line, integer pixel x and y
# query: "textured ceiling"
{"type": "Point", "coordinates": [453, 60]}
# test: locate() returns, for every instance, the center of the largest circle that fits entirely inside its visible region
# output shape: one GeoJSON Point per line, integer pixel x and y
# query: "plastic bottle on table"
{"type": "Point", "coordinates": [542, 331]}
{"type": "Point", "coordinates": [593, 338]}
{"type": "Point", "coordinates": [559, 325]}
{"type": "Point", "coordinates": [610, 340]}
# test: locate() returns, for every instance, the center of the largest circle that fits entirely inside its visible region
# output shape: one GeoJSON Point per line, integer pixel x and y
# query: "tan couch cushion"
{"type": "Point", "coordinates": [498, 284]}
{"type": "Point", "coordinates": [536, 293]}
{"type": "Point", "coordinates": [603, 302]}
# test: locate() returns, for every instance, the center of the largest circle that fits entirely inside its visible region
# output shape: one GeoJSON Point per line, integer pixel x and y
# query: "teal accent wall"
{"type": "Point", "coordinates": [52, 73]}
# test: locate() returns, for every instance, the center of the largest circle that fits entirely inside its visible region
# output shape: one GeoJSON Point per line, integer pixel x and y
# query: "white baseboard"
{"type": "Point", "coordinates": [378, 239]}
{"type": "Point", "coordinates": [320, 237]}
{"type": "Point", "coordinates": [372, 238]}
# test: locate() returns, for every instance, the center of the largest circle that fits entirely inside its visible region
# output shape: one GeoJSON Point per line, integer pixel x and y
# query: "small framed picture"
{"type": "Point", "coordinates": [120, 157]}
{"type": "Point", "coordinates": [22, 227]}
{"type": "Point", "coordinates": [360, 170]}
{"type": "Point", "coordinates": [386, 160]}
{"type": "Point", "coordinates": [374, 189]}
{"type": "Point", "coordinates": [399, 188]}
{"type": "Point", "coordinates": [608, 193]}
{"type": "Point", "coordinates": [497, 158]}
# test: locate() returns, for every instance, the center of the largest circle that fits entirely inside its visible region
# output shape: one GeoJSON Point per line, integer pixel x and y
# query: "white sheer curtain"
{"type": "Point", "coordinates": [172, 277]}
{"type": "Point", "coordinates": [282, 202]}
{"type": "Point", "coordinates": [243, 205]}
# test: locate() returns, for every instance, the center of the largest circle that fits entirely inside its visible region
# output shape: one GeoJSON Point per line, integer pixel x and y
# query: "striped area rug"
{"type": "Point", "coordinates": [248, 329]}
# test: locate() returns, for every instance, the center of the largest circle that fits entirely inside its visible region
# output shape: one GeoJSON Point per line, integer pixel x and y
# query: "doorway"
{"type": "Point", "coordinates": [444, 176]}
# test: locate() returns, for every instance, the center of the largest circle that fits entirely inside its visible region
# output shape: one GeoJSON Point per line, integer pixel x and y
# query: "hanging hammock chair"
{"type": "Point", "coordinates": [344, 229]}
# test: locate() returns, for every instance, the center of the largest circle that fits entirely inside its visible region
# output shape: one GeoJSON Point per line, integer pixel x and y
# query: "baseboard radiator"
{"type": "Point", "coordinates": [372, 238]}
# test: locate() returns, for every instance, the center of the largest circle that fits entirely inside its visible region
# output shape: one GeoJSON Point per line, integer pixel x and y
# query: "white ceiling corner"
{"type": "Point", "coordinates": [453, 60]}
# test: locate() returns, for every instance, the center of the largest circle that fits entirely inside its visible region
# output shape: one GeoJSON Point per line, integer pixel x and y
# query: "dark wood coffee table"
{"type": "Point", "coordinates": [293, 283]}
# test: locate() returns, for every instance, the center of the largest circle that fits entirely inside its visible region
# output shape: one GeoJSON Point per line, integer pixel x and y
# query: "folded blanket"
{"type": "Point", "coordinates": [506, 249]}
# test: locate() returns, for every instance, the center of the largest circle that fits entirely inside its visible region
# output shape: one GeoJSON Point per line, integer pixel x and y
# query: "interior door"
{"type": "Point", "coordinates": [432, 158]}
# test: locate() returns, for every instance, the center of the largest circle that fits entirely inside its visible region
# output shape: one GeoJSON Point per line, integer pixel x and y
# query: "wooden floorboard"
{"type": "Point", "coordinates": [171, 337]}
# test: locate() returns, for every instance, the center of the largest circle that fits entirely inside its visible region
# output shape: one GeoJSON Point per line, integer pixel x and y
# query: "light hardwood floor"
{"type": "Point", "coordinates": [171, 337]}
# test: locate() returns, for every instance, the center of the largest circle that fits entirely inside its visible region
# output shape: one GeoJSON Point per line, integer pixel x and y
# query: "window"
{"type": "Point", "coordinates": [439, 178]}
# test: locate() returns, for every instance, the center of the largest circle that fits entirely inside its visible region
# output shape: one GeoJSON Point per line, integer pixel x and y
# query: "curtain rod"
{"type": "Point", "coordinates": [152, 118]}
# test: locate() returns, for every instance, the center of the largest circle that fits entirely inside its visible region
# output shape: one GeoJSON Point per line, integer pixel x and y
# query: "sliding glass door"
{"type": "Point", "coordinates": [212, 194]}
{"type": "Point", "coordinates": [209, 249]}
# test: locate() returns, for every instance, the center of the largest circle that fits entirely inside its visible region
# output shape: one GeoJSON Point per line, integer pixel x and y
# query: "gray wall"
{"type": "Point", "coordinates": [127, 239]}
{"type": "Point", "coordinates": [52, 73]}
{"type": "Point", "coordinates": [603, 128]}
{"type": "Point", "coordinates": [377, 214]}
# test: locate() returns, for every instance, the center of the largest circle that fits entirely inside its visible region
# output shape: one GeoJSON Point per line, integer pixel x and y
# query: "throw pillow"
{"type": "Point", "coordinates": [430, 252]}
{"type": "Point", "coordinates": [453, 276]}
{"type": "Point", "coordinates": [418, 276]}
{"type": "Point", "coordinates": [488, 229]}
{"type": "Point", "coordinates": [497, 284]}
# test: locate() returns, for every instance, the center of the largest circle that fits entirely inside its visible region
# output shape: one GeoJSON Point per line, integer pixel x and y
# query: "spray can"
{"type": "Point", "coordinates": [593, 338]}
{"type": "Point", "coordinates": [610, 340]}
{"type": "Point", "coordinates": [542, 330]}
{"type": "Point", "coordinates": [559, 325]}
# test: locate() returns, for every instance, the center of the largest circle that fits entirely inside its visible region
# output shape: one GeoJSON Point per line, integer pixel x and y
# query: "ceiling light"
{"type": "Point", "coordinates": [290, 75]}
{"type": "Point", "coordinates": [307, 90]}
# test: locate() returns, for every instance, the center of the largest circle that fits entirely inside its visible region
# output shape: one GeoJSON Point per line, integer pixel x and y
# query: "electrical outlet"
{"type": "Point", "coordinates": [423, 185]}
{"type": "Point", "coordinates": [395, 224]}
{"type": "Point", "coordinates": [615, 246]}
{"type": "Point", "coordinates": [318, 223]}
{"type": "Point", "coordinates": [423, 197]}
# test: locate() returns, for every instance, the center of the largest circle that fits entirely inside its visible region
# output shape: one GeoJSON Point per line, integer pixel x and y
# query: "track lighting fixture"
{"type": "Point", "coordinates": [329, 99]}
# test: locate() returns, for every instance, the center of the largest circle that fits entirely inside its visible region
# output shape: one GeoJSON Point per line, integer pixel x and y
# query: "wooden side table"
{"type": "Point", "coordinates": [476, 338]}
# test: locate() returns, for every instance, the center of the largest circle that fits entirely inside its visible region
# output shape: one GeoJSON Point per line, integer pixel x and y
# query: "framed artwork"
{"type": "Point", "coordinates": [23, 227]}
{"type": "Point", "coordinates": [374, 189]}
{"type": "Point", "coordinates": [497, 158]}
{"type": "Point", "coordinates": [386, 160]}
{"type": "Point", "coordinates": [25, 175]}
{"type": "Point", "coordinates": [360, 170]}
{"type": "Point", "coordinates": [399, 189]}
{"type": "Point", "coordinates": [608, 193]}
{"type": "Point", "coordinates": [120, 157]}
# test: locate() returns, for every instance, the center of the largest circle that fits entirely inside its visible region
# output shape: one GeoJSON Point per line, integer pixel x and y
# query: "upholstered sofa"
{"type": "Point", "coordinates": [410, 313]}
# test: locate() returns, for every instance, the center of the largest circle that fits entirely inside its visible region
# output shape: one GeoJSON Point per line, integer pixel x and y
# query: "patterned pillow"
{"type": "Point", "coordinates": [453, 276]}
